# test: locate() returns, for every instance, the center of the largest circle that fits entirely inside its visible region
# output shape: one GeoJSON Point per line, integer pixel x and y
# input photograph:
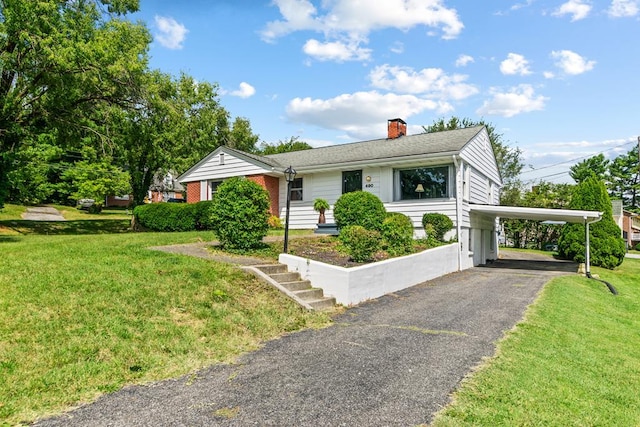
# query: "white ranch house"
{"type": "Point", "coordinates": [456, 169]}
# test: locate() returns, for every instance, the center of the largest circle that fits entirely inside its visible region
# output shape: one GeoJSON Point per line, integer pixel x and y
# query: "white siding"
{"type": "Point", "coordinates": [479, 154]}
{"type": "Point", "coordinates": [211, 169]}
{"type": "Point", "coordinates": [415, 209]}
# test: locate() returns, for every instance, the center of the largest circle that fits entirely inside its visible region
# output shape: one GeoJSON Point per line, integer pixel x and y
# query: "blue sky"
{"type": "Point", "coordinates": [559, 79]}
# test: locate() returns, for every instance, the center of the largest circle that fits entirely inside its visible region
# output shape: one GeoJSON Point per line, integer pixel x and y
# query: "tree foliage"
{"type": "Point", "coordinates": [593, 166]}
{"type": "Point", "coordinates": [60, 62]}
{"type": "Point", "coordinates": [607, 247]}
{"type": "Point", "coordinates": [623, 179]}
{"type": "Point", "coordinates": [74, 75]}
{"type": "Point", "coordinates": [508, 159]}
{"type": "Point", "coordinates": [293, 144]}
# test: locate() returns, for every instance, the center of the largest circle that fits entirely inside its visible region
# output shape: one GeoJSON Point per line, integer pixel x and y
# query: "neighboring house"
{"type": "Point", "coordinates": [629, 223]}
{"type": "Point", "coordinates": [165, 187]}
{"type": "Point", "coordinates": [446, 172]}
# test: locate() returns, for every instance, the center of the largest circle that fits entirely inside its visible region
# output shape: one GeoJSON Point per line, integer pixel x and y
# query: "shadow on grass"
{"type": "Point", "coordinates": [93, 226]}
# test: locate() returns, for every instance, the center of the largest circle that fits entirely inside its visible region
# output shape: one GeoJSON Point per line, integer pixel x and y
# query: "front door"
{"type": "Point", "coordinates": [351, 181]}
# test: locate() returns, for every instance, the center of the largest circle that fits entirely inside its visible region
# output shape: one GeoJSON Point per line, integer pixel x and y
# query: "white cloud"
{"type": "Point", "coordinates": [578, 9]}
{"type": "Point", "coordinates": [519, 99]}
{"type": "Point", "coordinates": [515, 64]}
{"type": "Point", "coordinates": [548, 75]}
{"type": "Point", "coordinates": [244, 91]}
{"type": "Point", "coordinates": [355, 17]}
{"type": "Point", "coordinates": [571, 63]}
{"type": "Point", "coordinates": [354, 20]}
{"type": "Point", "coordinates": [362, 115]}
{"type": "Point", "coordinates": [433, 82]}
{"type": "Point", "coordinates": [336, 51]}
{"type": "Point", "coordinates": [623, 8]}
{"type": "Point", "coordinates": [171, 33]}
{"type": "Point", "coordinates": [397, 47]}
{"type": "Point", "coordinates": [464, 60]}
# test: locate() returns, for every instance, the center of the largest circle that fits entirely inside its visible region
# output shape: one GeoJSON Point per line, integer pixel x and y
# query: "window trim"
{"type": "Point", "coordinates": [350, 172]}
{"type": "Point", "coordinates": [397, 190]}
{"type": "Point", "coordinates": [299, 190]}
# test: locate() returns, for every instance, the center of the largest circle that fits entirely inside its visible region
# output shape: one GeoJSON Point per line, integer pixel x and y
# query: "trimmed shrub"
{"type": "Point", "coordinates": [437, 224]}
{"type": "Point", "coordinates": [166, 216]}
{"type": "Point", "coordinates": [359, 242]}
{"type": "Point", "coordinates": [275, 222]}
{"type": "Point", "coordinates": [240, 214]}
{"type": "Point", "coordinates": [607, 247]}
{"type": "Point", "coordinates": [203, 215]}
{"type": "Point", "coordinates": [359, 208]}
{"type": "Point", "coordinates": [397, 231]}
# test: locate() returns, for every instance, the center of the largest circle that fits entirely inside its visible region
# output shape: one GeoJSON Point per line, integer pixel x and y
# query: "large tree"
{"type": "Point", "coordinates": [61, 61]}
{"type": "Point", "coordinates": [593, 166]}
{"type": "Point", "coordinates": [509, 159]}
{"type": "Point", "coordinates": [623, 179]}
{"type": "Point", "coordinates": [175, 124]}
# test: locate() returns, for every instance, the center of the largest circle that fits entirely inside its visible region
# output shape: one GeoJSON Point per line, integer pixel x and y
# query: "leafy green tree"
{"type": "Point", "coordinates": [624, 179]}
{"type": "Point", "coordinates": [176, 123]}
{"type": "Point", "coordinates": [607, 246]}
{"type": "Point", "coordinates": [284, 146]}
{"type": "Point", "coordinates": [593, 166]}
{"type": "Point", "coordinates": [60, 62]}
{"type": "Point", "coordinates": [96, 179]}
{"type": "Point", "coordinates": [37, 167]}
{"type": "Point", "coordinates": [509, 159]}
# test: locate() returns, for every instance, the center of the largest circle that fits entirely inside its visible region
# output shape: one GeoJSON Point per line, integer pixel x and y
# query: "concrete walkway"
{"type": "Point", "coordinates": [391, 362]}
{"type": "Point", "coordinates": [42, 214]}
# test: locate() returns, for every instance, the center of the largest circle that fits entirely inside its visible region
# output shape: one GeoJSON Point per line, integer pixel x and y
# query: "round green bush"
{"type": "Point", "coordinates": [397, 231]}
{"type": "Point", "coordinates": [359, 208]}
{"type": "Point", "coordinates": [359, 242]}
{"type": "Point", "coordinates": [240, 214]}
{"type": "Point", "coordinates": [439, 223]}
{"type": "Point", "coordinates": [166, 216]}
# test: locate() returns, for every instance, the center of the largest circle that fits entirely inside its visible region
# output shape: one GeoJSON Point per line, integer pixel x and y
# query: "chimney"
{"type": "Point", "coordinates": [396, 128]}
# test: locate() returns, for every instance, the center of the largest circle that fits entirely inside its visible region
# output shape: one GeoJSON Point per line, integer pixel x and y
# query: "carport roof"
{"type": "Point", "coordinates": [538, 214]}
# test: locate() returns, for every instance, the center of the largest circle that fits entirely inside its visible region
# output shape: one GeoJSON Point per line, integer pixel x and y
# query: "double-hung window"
{"type": "Point", "coordinates": [296, 190]}
{"type": "Point", "coordinates": [422, 183]}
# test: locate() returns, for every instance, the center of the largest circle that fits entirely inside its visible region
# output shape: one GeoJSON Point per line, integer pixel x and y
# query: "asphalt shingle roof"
{"type": "Point", "coordinates": [377, 149]}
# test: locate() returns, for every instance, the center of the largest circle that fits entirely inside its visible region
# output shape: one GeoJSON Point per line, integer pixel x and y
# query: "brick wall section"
{"type": "Point", "coordinates": [272, 185]}
{"type": "Point", "coordinates": [193, 192]}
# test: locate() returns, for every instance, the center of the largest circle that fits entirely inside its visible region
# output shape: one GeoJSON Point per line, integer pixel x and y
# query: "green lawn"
{"type": "Point", "coordinates": [84, 311]}
{"type": "Point", "coordinates": [573, 361]}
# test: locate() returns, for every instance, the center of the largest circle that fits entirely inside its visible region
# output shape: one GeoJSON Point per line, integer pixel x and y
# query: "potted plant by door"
{"type": "Point", "coordinates": [321, 205]}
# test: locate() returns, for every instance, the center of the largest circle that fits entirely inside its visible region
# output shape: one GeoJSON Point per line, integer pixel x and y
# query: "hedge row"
{"type": "Point", "coordinates": [174, 216]}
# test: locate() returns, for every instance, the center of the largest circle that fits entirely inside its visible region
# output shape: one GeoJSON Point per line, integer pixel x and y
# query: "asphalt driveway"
{"type": "Point", "coordinates": [389, 362]}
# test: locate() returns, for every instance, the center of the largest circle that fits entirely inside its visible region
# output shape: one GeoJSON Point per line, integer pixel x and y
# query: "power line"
{"type": "Point", "coordinates": [578, 158]}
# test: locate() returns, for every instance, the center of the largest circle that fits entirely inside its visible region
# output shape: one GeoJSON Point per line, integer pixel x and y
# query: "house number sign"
{"type": "Point", "coordinates": [368, 186]}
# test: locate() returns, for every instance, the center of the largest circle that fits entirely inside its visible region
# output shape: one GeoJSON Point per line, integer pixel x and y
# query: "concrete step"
{"type": "Point", "coordinates": [285, 277]}
{"type": "Point", "coordinates": [322, 304]}
{"type": "Point", "coordinates": [297, 285]}
{"type": "Point", "coordinates": [310, 294]}
{"type": "Point", "coordinates": [272, 268]}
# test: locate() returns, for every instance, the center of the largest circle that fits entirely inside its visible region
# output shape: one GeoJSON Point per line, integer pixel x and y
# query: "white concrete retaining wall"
{"type": "Point", "coordinates": [354, 285]}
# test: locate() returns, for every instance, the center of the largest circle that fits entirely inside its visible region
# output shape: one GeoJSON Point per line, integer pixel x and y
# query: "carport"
{"type": "Point", "coordinates": [543, 214]}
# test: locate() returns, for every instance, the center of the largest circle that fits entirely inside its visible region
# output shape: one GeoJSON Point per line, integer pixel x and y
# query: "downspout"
{"type": "Point", "coordinates": [587, 254]}
{"type": "Point", "coordinates": [459, 196]}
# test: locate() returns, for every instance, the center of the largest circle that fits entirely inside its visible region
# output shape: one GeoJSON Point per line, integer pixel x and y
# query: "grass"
{"type": "Point", "coordinates": [85, 314]}
{"type": "Point", "coordinates": [573, 361]}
